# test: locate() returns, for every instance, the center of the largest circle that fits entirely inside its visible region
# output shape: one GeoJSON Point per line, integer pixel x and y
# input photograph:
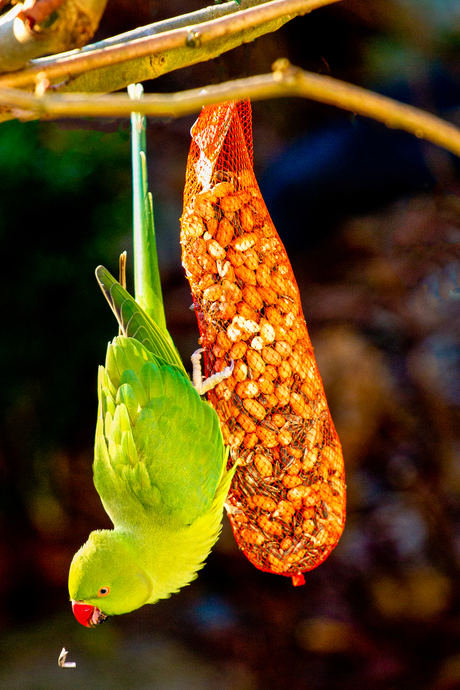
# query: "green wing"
{"type": "Point", "coordinates": [134, 322]}
{"type": "Point", "coordinates": [159, 448]}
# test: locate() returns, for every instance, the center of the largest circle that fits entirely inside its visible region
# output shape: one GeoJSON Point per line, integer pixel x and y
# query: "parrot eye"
{"type": "Point", "coordinates": [103, 591]}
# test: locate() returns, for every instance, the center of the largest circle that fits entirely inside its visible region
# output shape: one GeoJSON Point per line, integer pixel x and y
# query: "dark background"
{"type": "Point", "coordinates": [371, 219]}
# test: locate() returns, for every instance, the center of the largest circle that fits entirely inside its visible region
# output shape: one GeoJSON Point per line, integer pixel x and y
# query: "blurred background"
{"type": "Point", "coordinates": [371, 219]}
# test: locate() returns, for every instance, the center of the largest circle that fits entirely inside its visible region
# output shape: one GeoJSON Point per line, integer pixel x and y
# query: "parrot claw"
{"type": "Point", "coordinates": [201, 384]}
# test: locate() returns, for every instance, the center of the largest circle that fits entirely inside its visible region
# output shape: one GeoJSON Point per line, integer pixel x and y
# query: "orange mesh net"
{"type": "Point", "coordinates": [287, 501]}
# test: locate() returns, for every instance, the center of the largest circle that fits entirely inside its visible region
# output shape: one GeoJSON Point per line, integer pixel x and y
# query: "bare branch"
{"type": "Point", "coordinates": [190, 19]}
{"type": "Point", "coordinates": [285, 81]}
{"type": "Point", "coordinates": [193, 41]}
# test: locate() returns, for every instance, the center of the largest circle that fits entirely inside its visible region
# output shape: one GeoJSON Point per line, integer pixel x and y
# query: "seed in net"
{"type": "Point", "coordinates": [247, 389]}
{"type": "Point", "coordinates": [252, 297]}
{"type": "Point", "coordinates": [258, 206]}
{"type": "Point", "coordinates": [263, 275]}
{"type": "Point", "coordinates": [211, 226]}
{"type": "Point", "coordinates": [283, 348]}
{"type": "Point", "coordinates": [236, 438]}
{"type": "Point", "coordinates": [271, 356]}
{"type": "Point", "coordinates": [247, 219]}
{"type": "Point", "coordinates": [204, 205]}
{"type": "Point", "coordinates": [274, 316]}
{"type": "Point", "coordinates": [270, 526]}
{"type": "Point", "coordinates": [284, 437]}
{"type": "Point", "coordinates": [223, 341]}
{"type": "Point", "coordinates": [198, 247]}
{"type": "Point", "coordinates": [223, 189]}
{"type": "Point", "coordinates": [291, 481]}
{"type": "Point", "coordinates": [257, 410]}
{"type": "Point", "coordinates": [268, 295]}
{"type": "Point", "coordinates": [247, 311]}
{"type": "Point", "coordinates": [245, 274]}
{"type": "Point", "coordinates": [250, 536]}
{"type": "Point", "coordinates": [294, 466]}
{"type": "Point", "coordinates": [249, 326]}
{"type": "Point", "coordinates": [309, 460]}
{"type": "Point", "coordinates": [212, 293]}
{"type": "Point", "coordinates": [244, 242]}
{"type": "Point", "coordinates": [208, 263]}
{"type": "Point", "coordinates": [263, 465]}
{"type": "Point", "coordinates": [238, 350]}
{"type": "Point", "coordinates": [246, 423]}
{"type": "Point", "coordinates": [268, 251]}
{"type": "Point", "coordinates": [235, 258]}
{"type": "Point", "coordinates": [216, 250]}
{"type": "Point", "coordinates": [284, 371]}
{"type": "Point", "coordinates": [262, 502]}
{"type": "Point", "coordinates": [267, 331]}
{"type": "Point", "coordinates": [226, 311]}
{"type": "Point", "coordinates": [192, 267]}
{"type": "Point", "coordinates": [225, 270]}
{"type": "Point", "coordinates": [251, 259]}
{"type": "Point", "coordinates": [313, 434]}
{"type": "Point", "coordinates": [282, 393]}
{"type": "Point", "coordinates": [255, 362]}
{"type": "Point", "coordinates": [231, 203]}
{"type": "Point", "coordinates": [284, 511]}
{"type": "Point", "coordinates": [284, 305]}
{"type": "Point", "coordinates": [240, 370]}
{"type": "Point", "coordinates": [271, 401]}
{"type": "Point", "coordinates": [192, 226]}
{"type": "Point", "coordinates": [266, 436]}
{"type": "Point", "coordinates": [250, 440]}
{"type": "Point", "coordinates": [205, 281]}
{"type": "Point", "coordinates": [300, 406]}
{"type": "Point", "coordinates": [266, 385]}
{"type": "Point", "coordinates": [297, 495]}
{"type": "Point", "coordinates": [235, 332]}
{"type": "Point", "coordinates": [225, 232]}
{"type": "Point", "coordinates": [297, 364]}
{"type": "Point", "coordinates": [278, 420]}
{"type": "Point", "coordinates": [331, 456]}
{"type": "Point", "coordinates": [285, 543]}
{"type": "Point", "coordinates": [257, 343]}
{"type": "Point", "coordinates": [278, 283]}
{"type": "Point", "coordinates": [231, 291]}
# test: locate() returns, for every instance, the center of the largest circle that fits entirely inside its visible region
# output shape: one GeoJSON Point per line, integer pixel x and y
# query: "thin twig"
{"type": "Point", "coordinates": [192, 37]}
{"type": "Point", "coordinates": [285, 81]}
{"type": "Point", "coordinates": [205, 14]}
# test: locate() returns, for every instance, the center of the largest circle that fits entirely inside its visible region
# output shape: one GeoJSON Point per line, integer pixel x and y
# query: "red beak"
{"type": "Point", "coordinates": [87, 615]}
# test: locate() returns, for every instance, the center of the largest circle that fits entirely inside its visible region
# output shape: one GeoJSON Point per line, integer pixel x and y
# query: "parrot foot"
{"type": "Point", "coordinates": [201, 384]}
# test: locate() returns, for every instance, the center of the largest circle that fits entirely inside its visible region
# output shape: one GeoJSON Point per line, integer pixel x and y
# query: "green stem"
{"type": "Point", "coordinates": [147, 285]}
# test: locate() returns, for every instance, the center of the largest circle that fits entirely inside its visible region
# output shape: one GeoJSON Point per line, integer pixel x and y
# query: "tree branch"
{"type": "Point", "coordinates": [165, 51]}
{"type": "Point", "coordinates": [286, 80]}
{"type": "Point", "coordinates": [68, 24]}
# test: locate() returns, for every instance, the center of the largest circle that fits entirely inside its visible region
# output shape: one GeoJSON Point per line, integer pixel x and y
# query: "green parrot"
{"type": "Point", "coordinates": [160, 461]}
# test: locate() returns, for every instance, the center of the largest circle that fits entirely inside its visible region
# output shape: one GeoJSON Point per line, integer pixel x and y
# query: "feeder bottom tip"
{"type": "Point", "coordinates": [298, 579]}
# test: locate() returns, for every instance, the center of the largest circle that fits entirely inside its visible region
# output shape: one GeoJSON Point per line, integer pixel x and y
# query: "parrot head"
{"type": "Point", "coordinates": [105, 579]}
